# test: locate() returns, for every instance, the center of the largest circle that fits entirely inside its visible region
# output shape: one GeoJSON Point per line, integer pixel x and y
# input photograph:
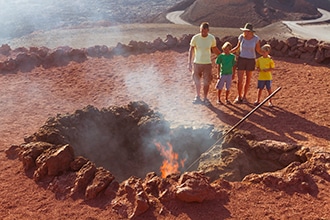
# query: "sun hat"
{"type": "Point", "coordinates": [247, 27]}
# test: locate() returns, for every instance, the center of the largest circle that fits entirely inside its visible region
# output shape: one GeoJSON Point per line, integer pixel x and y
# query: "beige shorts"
{"type": "Point", "coordinates": [202, 71]}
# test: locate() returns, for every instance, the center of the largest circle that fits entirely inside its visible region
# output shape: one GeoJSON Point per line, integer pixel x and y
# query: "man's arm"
{"type": "Point", "coordinates": [215, 50]}
{"type": "Point", "coordinates": [190, 57]}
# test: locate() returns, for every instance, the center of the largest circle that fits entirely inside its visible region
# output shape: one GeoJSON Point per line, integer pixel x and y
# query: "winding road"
{"type": "Point", "coordinates": [306, 29]}
{"type": "Point", "coordinates": [175, 18]}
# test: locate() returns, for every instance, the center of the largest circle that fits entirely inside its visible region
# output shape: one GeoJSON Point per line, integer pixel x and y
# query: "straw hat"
{"type": "Point", "coordinates": [247, 27]}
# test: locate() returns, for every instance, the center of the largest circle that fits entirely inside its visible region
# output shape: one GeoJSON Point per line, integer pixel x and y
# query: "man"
{"type": "Point", "coordinates": [200, 49]}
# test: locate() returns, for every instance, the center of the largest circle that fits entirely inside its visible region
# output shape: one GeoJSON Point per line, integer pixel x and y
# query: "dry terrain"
{"type": "Point", "coordinates": [301, 115]}
{"type": "Point", "coordinates": [162, 80]}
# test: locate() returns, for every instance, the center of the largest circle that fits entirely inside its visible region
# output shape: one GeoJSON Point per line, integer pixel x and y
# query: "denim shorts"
{"type": "Point", "coordinates": [224, 79]}
{"type": "Point", "coordinates": [264, 83]}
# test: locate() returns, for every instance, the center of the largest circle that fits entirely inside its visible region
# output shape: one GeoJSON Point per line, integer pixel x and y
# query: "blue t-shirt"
{"type": "Point", "coordinates": [248, 47]}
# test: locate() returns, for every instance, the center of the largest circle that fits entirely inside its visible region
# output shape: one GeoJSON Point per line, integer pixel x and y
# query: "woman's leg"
{"type": "Point", "coordinates": [247, 83]}
{"type": "Point", "coordinates": [240, 77]}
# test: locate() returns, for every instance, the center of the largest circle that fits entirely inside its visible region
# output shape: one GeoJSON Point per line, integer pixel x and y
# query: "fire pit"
{"type": "Point", "coordinates": [131, 140]}
{"type": "Point", "coordinates": [88, 153]}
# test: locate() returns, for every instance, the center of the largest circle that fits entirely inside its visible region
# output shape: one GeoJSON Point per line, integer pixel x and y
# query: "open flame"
{"type": "Point", "coordinates": [171, 162]}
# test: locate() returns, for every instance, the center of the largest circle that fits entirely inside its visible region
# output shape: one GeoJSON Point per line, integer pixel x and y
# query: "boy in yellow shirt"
{"type": "Point", "coordinates": [264, 65]}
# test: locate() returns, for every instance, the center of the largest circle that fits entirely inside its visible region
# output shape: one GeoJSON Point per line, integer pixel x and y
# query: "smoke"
{"type": "Point", "coordinates": [142, 81]}
{"type": "Point", "coordinates": [122, 139]}
{"type": "Point", "coordinates": [22, 17]}
{"type": "Point", "coordinates": [144, 85]}
{"type": "Point", "coordinates": [151, 84]}
{"type": "Point", "coordinates": [170, 88]}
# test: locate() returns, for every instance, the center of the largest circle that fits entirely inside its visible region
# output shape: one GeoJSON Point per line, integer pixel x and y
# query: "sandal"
{"type": "Point", "coordinates": [238, 100]}
{"type": "Point", "coordinates": [244, 100]}
{"type": "Point", "coordinates": [197, 100]}
{"type": "Point", "coordinates": [207, 102]}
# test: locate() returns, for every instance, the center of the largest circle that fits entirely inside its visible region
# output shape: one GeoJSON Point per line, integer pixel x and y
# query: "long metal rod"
{"type": "Point", "coordinates": [236, 125]}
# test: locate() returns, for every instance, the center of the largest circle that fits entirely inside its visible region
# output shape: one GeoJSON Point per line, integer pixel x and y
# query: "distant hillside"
{"type": "Point", "coordinates": [18, 18]}
{"type": "Point", "coordinates": [324, 4]}
{"type": "Point", "coordinates": [235, 13]}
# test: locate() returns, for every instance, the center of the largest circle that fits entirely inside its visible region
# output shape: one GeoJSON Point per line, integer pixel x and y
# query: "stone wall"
{"type": "Point", "coordinates": [310, 50]}
{"type": "Point", "coordinates": [25, 59]}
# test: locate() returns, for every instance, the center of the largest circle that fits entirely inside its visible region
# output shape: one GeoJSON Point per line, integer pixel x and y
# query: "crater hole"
{"type": "Point", "coordinates": [125, 140]}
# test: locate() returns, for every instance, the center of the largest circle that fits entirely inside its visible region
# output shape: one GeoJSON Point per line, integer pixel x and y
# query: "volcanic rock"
{"type": "Point", "coordinates": [100, 182]}
{"type": "Point", "coordinates": [297, 176]}
{"type": "Point", "coordinates": [235, 13]}
{"type": "Point", "coordinates": [53, 161]}
{"type": "Point", "coordinates": [25, 60]}
{"type": "Point", "coordinates": [239, 157]}
{"type": "Point", "coordinates": [78, 163]}
{"type": "Point", "coordinates": [84, 176]}
{"type": "Point", "coordinates": [30, 152]}
{"type": "Point", "coordinates": [194, 187]}
{"type": "Point", "coordinates": [132, 199]}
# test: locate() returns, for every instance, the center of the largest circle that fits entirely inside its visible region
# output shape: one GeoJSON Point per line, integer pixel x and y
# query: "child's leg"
{"type": "Point", "coordinates": [219, 94]}
{"type": "Point", "coordinates": [270, 92]}
{"type": "Point", "coordinates": [269, 89]}
{"type": "Point", "coordinates": [259, 95]}
{"type": "Point", "coordinates": [260, 87]}
{"type": "Point", "coordinates": [227, 96]}
{"type": "Point", "coordinates": [228, 86]}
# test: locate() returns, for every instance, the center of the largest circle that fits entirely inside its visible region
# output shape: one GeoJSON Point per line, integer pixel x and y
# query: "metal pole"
{"type": "Point", "coordinates": [236, 125]}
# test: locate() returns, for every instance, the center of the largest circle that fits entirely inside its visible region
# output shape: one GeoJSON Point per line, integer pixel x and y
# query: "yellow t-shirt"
{"type": "Point", "coordinates": [265, 63]}
{"type": "Point", "coordinates": [202, 46]}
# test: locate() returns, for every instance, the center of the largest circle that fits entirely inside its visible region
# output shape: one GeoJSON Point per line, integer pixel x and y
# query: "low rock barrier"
{"type": "Point", "coordinates": [25, 59]}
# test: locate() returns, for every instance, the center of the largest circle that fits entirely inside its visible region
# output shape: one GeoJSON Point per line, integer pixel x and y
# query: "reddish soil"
{"type": "Point", "coordinates": [301, 115]}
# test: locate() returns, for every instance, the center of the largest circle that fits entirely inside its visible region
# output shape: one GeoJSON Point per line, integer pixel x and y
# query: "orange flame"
{"type": "Point", "coordinates": [171, 162]}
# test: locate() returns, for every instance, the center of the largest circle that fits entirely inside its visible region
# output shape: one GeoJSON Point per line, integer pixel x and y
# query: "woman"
{"type": "Point", "coordinates": [248, 44]}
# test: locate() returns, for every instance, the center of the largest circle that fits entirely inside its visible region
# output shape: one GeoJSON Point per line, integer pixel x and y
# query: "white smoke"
{"type": "Point", "coordinates": [20, 18]}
